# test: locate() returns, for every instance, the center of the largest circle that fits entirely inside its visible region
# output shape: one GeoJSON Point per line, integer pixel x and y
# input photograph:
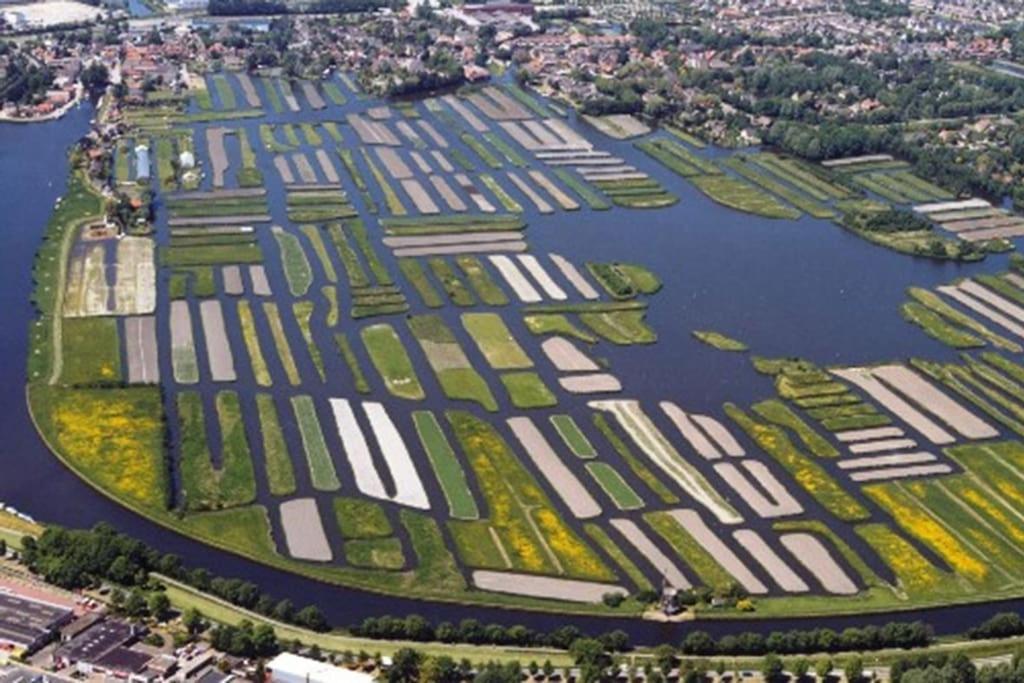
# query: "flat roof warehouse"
{"type": "Point", "coordinates": [28, 624]}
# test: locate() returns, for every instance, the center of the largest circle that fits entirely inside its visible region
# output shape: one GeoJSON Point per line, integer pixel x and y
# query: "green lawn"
{"type": "Point", "coordinates": [91, 351]}
{"type": "Point", "coordinates": [303, 311]}
{"type": "Point", "coordinates": [284, 350]}
{"type": "Point", "coordinates": [359, 518]}
{"type": "Point", "coordinates": [375, 553]}
{"type": "Point", "coordinates": [321, 467]}
{"type": "Point", "coordinates": [742, 196]}
{"type": "Point", "coordinates": [557, 323]}
{"type": "Point", "coordinates": [294, 261]}
{"type": "Point", "coordinates": [489, 291]}
{"type": "Point", "coordinates": [719, 341]}
{"type": "Point", "coordinates": [495, 341]}
{"type": "Point", "coordinates": [312, 233]}
{"type": "Point", "coordinates": [260, 371]}
{"type": "Point", "coordinates": [573, 436]}
{"type": "Point", "coordinates": [389, 357]}
{"type": "Point", "coordinates": [349, 356]}
{"type": "Point", "coordinates": [447, 467]}
{"type": "Point", "coordinates": [452, 284]}
{"type": "Point", "coordinates": [280, 474]}
{"type": "Point", "coordinates": [527, 390]}
{"type": "Point", "coordinates": [417, 277]}
{"type": "Point", "coordinates": [458, 379]}
{"type": "Point", "coordinates": [621, 493]}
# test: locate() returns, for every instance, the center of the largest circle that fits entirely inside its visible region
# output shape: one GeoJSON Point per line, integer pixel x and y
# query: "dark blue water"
{"type": "Point", "coordinates": [786, 288]}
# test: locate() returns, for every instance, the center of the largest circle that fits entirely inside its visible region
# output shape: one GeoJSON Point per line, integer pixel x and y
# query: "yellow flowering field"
{"type": "Point", "coordinates": [915, 574]}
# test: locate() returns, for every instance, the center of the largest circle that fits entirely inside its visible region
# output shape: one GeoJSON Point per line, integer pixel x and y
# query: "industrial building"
{"type": "Point", "coordinates": [27, 624]}
{"type": "Point", "coordinates": [289, 668]}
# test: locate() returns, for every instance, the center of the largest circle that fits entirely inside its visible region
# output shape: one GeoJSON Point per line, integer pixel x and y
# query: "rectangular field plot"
{"type": "Point", "coordinates": [576, 497]}
{"type": "Point", "coordinates": [141, 350]}
{"type": "Point", "coordinates": [495, 341]}
{"type": "Point", "coordinates": [218, 349]}
{"type": "Point", "coordinates": [621, 493]}
{"type": "Point", "coordinates": [304, 530]}
{"type": "Point", "coordinates": [321, 466]}
{"type": "Point", "coordinates": [573, 437]}
{"type": "Point", "coordinates": [447, 467]}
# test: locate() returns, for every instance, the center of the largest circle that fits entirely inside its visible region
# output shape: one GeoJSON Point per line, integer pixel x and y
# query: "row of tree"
{"type": "Point", "coordinates": [866, 638]}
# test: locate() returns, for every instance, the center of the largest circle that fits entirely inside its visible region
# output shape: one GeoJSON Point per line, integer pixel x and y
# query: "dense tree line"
{"type": "Point", "coordinates": [24, 81]}
{"type": "Point", "coordinates": [894, 634]}
{"type": "Point", "coordinates": [76, 559]}
{"type": "Point", "coordinates": [254, 7]}
{"type": "Point", "coordinates": [943, 667]}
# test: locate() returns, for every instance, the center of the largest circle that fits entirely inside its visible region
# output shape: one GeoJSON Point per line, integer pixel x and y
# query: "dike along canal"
{"type": "Point", "coordinates": [33, 175]}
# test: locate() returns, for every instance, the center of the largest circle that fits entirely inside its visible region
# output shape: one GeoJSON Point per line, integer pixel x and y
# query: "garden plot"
{"type": "Point", "coordinates": [183, 350]}
{"type": "Point", "coordinates": [814, 556]}
{"type": "Point", "coordinates": [618, 126]}
{"type": "Point", "coordinates": [447, 468]}
{"type": "Point", "coordinates": [662, 564]}
{"type": "Point", "coordinates": [567, 133]}
{"type": "Point", "coordinates": [395, 165]}
{"type": "Point", "coordinates": [889, 473]}
{"type": "Point", "coordinates": [141, 350]}
{"type": "Point", "coordinates": [372, 132]}
{"type": "Point", "coordinates": [966, 226]}
{"type": "Point", "coordinates": [525, 139]}
{"type": "Point", "coordinates": [419, 196]}
{"type": "Point", "coordinates": [304, 168]}
{"type": "Point", "coordinates": [312, 95]}
{"type": "Point", "coordinates": [976, 306]}
{"type": "Point", "coordinates": [492, 336]}
{"type": "Point", "coordinates": [289, 95]}
{"type": "Point", "coordinates": [438, 139]}
{"type": "Point", "coordinates": [475, 195]}
{"type": "Point", "coordinates": [869, 434]}
{"type": "Point", "coordinates": [778, 502]}
{"type": "Point", "coordinates": [135, 287]}
{"type": "Point", "coordinates": [442, 187]}
{"type": "Point", "coordinates": [564, 355]}
{"type": "Point", "coordinates": [962, 205]}
{"type": "Point", "coordinates": [1005, 232]}
{"type": "Point", "coordinates": [232, 277]}
{"type": "Point", "coordinates": [252, 99]}
{"type": "Point", "coordinates": [410, 134]}
{"type": "Point", "coordinates": [546, 282]}
{"type": "Point", "coordinates": [218, 349]}
{"type": "Point", "coordinates": [569, 590]}
{"type": "Point", "coordinates": [382, 113]}
{"type": "Point", "coordinates": [690, 432]}
{"type": "Point", "coordinates": [531, 194]}
{"type": "Point", "coordinates": [571, 435]}
{"type": "Point", "coordinates": [888, 460]}
{"type": "Point", "coordinates": [327, 166]}
{"type": "Point", "coordinates": [612, 483]}
{"type": "Point", "coordinates": [597, 383]}
{"type": "Point", "coordinates": [713, 545]}
{"type": "Point", "coordinates": [471, 248]}
{"type": "Point", "coordinates": [882, 445]}
{"type": "Point", "coordinates": [507, 107]}
{"type": "Point", "coordinates": [782, 574]}
{"type": "Point", "coordinates": [420, 162]}
{"type": "Point", "coordinates": [409, 489]}
{"type": "Point", "coordinates": [442, 162]}
{"type": "Point", "coordinates": [304, 530]}
{"type": "Point", "coordinates": [991, 298]}
{"type": "Point", "coordinates": [284, 169]}
{"type": "Point", "coordinates": [847, 162]}
{"type": "Point", "coordinates": [260, 284]}
{"type": "Point", "coordinates": [646, 435]}
{"type": "Point", "coordinates": [448, 239]}
{"type": "Point", "coordinates": [322, 472]}
{"type": "Point", "coordinates": [218, 154]}
{"type": "Point", "coordinates": [914, 387]}
{"type": "Point", "coordinates": [515, 279]}
{"type": "Point", "coordinates": [562, 480]}
{"type": "Point", "coordinates": [471, 119]}
{"type": "Point", "coordinates": [458, 379]}
{"type": "Point", "coordinates": [571, 273]}
{"type": "Point", "coordinates": [720, 435]}
{"type": "Point", "coordinates": [863, 378]}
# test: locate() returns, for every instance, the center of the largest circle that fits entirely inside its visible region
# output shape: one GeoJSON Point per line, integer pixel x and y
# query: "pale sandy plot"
{"type": "Point", "coordinates": [1014, 279]}
{"type": "Point", "coordinates": [531, 194]}
{"type": "Point", "coordinates": [408, 485]}
{"type": "Point", "coordinates": [218, 154]}
{"type": "Point", "coordinates": [252, 99]}
{"type": "Point", "coordinates": [239, 220]}
{"type": "Point", "coordinates": [868, 434]}
{"type": "Point", "coordinates": [925, 394]}
{"type": "Point", "coordinates": [289, 96]}
{"type": "Point", "coordinates": [646, 435]}
{"type": "Point", "coordinates": [571, 273]}
{"type": "Point", "coordinates": [590, 160]}
{"type": "Point", "coordinates": [489, 109]}
{"type": "Point", "coordinates": [510, 107]}
{"type": "Point", "coordinates": [327, 166]}
{"type": "Point", "coordinates": [418, 194]}
{"type": "Point", "coordinates": [357, 451]}
{"type": "Point", "coordinates": [690, 432]}
{"type": "Point", "coordinates": [141, 350]}
{"type": "Point", "coordinates": [407, 131]}
{"type": "Point", "coordinates": [994, 233]}
{"type": "Point", "coordinates": [597, 383]}
{"type": "Point", "coordinates": [471, 119]}
{"type": "Point", "coordinates": [305, 169]}
{"type": "Point", "coordinates": [312, 95]}
{"type": "Point", "coordinates": [450, 238]}
{"type": "Point", "coordinates": [232, 277]}
{"type": "Point", "coordinates": [618, 126]}
{"type": "Point", "coordinates": [183, 349]}
{"type": "Point", "coordinates": [998, 221]}
{"type": "Point", "coordinates": [814, 556]}
{"type": "Point", "coordinates": [564, 355]}
{"type": "Point", "coordinates": [442, 162]}
{"type": "Point", "coordinates": [879, 392]}
{"type": "Point", "coordinates": [562, 480]}
{"type": "Point", "coordinates": [420, 162]}
{"type": "Point", "coordinates": [936, 207]}
{"type": "Point", "coordinates": [442, 187]}
{"type": "Point", "coordinates": [284, 169]}
{"type": "Point", "coordinates": [524, 291]}
{"type": "Point", "coordinates": [617, 177]}
{"type": "Point", "coordinates": [882, 445]}
{"type": "Point", "coordinates": [991, 298]}
{"type": "Point", "coordinates": [965, 214]}
{"type": "Point", "coordinates": [887, 473]}
{"type": "Point", "coordinates": [218, 349]}
{"type": "Point", "coordinates": [304, 530]}
{"type": "Point", "coordinates": [853, 161]}
{"type": "Point", "coordinates": [223, 193]}
{"type": "Point", "coordinates": [781, 573]}
{"type": "Point", "coordinates": [135, 286]}
{"type": "Point", "coordinates": [372, 132]}
{"type": "Point", "coordinates": [723, 554]}
{"type": "Point", "coordinates": [521, 136]}
{"type": "Point", "coordinates": [770, 483]}
{"type": "Point", "coordinates": [563, 199]}
{"type": "Point", "coordinates": [567, 133]}
{"type": "Point", "coordinates": [720, 435]}
{"type": "Point", "coordinates": [475, 194]}
{"type": "Point", "coordinates": [260, 284]}
{"type": "Point", "coordinates": [540, 274]}
{"type": "Point", "coordinates": [650, 552]}
{"type": "Point", "coordinates": [888, 460]}
{"type": "Point", "coordinates": [981, 309]}
{"type": "Point", "coordinates": [381, 113]}
{"type": "Point", "coordinates": [781, 504]}
{"type": "Point", "coordinates": [544, 135]}
{"type": "Point", "coordinates": [394, 163]}
{"type": "Point", "coordinates": [438, 139]}
{"type": "Point", "coordinates": [531, 585]}
{"type": "Point", "coordinates": [472, 248]}
{"type": "Point", "coordinates": [552, 156]}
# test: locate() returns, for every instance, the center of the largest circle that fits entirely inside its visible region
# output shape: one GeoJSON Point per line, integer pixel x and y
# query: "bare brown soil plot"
{"type": "Point", "coordinates": [327, 166]}
{"type": "Point", "coordinates": [564, 200]}
{"type": "Point", "coordinates": [871, 433]}
{"type": "Point", "coordinates": [304, 530]}
{"type": "Point", "coordinates": [421, 162]}
{"type": "Point", "coordinates": [462, 110]}
{"type": "Point", "coordinates": [521, 136]}
{"type": "Point", "coordinates": [418, 194]}
{"type": "Point", "coordinates": [713, 545]}
{"type": "Point", "coordinates": [979, 223]}
{"type": "Point", "coordinates": [961, 297]}
{"type": "Point", "coordinates": [432, 133]}
{"type": "Point", "coordinates": [888, 473]}
{"type": "Point", "coordinates": [571, 273]}
{"type": "Point", "coordinates": [649, 551]}
{"type": "Point", "coordinates": [995, 233]}
{"type": "Point", "coordinates": [548, 587]}
{"type": "Point", "coordinates": [442, 161]}
{"type": "Point", "coordinates": [925, 394]}
{"type": "Point", "coordinates": [475, 194]}
{"type": "Point", "coordinates": [471, 248]}
{"type": "Point", "coordinates": [232, 276]}
{"type": "Point", "coordinates": [780, 504]}
{"type": "Point", "coordinates": [410, 134]}
{"type": "Point", "coordinates": [453, 200]}
{"type": "Point", "coordinates": [810, 552]}
{"type": "Point", "coordinates": [862, 378]}
{"type": "Point", "coordinates": [312, 95]}
{"type": "Point", "coordinates": [598, 383]}
{"type": "Point", "coordinates": [450, 238]}
{"type": "Point", "coordinates": [252, 99]}
{"type": "Point", "coordinates": [218, 155]}
{"type": "Point", "coordinates": [305, 169]}
{"type": "Point", "coordinates": [531, 194]}
{"type": "Point", "coordinates": [882, 445]}
{"type": "Point", "coordinates": [141, 350]}
{"type": "Point", "coordinates": [781, 573]}
{"type": "Point", "coordinates": [889, 460]}
{"type": "Point", "coordinates": [395, 165]}
{"type": "Point", "coordinates": [260, 284]}
{"type": "Point", "coordinates": [567, 133]}
{"type": "Point", "coordinates": [218, 349]}
{"type": "Point", "coordinates": [688, 429]}
{"type": "Point", "coordinates": [564, 355]}
{"type": "Point", "coordinates": [720, 435]}
{"type": "Point", "coordinates": [284, 169]}
{"type": "Point", "coordinates": [510, 107]}
{"type": "Point", "coordinates": [246, 219]}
